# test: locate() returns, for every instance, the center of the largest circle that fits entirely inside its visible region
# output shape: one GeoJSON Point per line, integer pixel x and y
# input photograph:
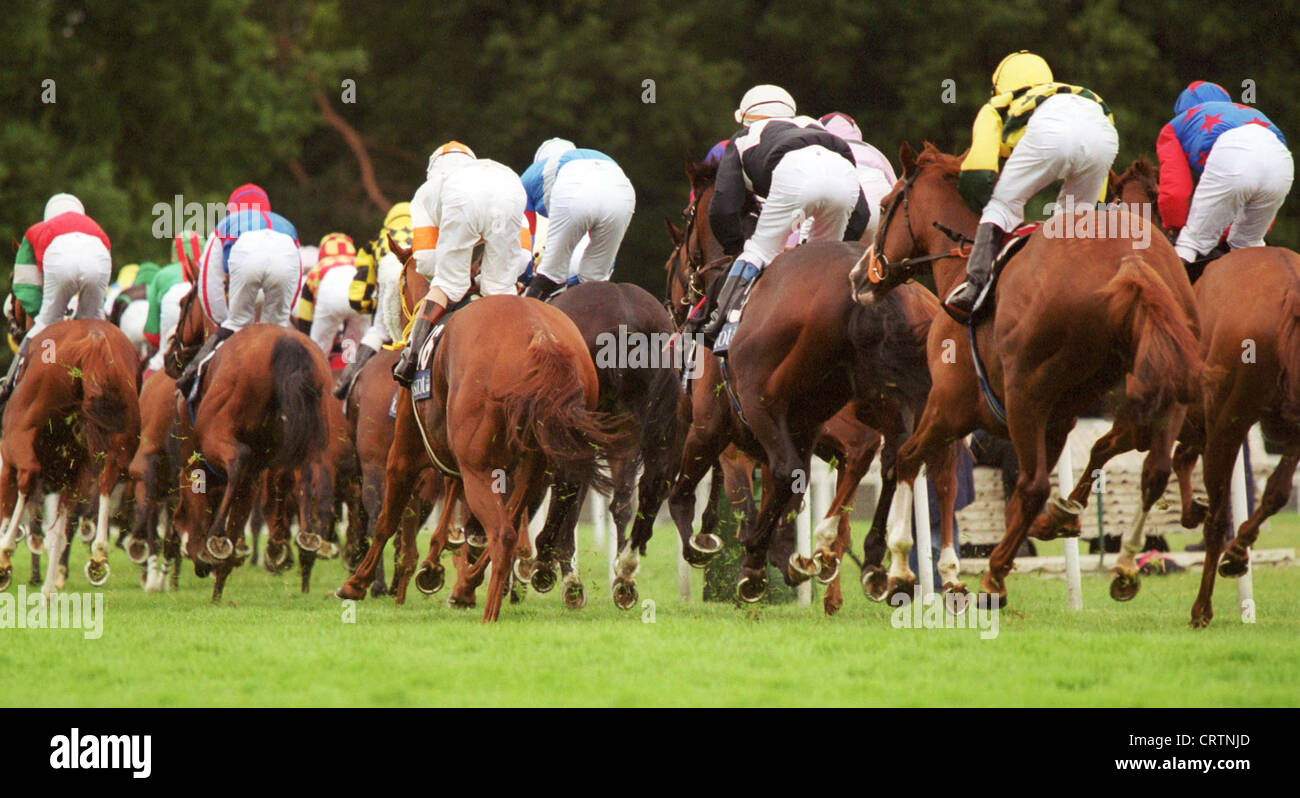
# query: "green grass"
{"type": "Point", "coordinates": [269, 645]}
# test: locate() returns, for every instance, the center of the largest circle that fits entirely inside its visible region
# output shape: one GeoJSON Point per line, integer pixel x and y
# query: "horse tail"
{"type": "Point", "coordinates": [106, 392]}
{"type": "Point", "coordinates": [547, 410]}
{"type": "Point", "coordinates": [889, 349]}
{"type": "Point", "coordinates": [1288, 352]}
{"type": "Point", "coordinates": [299, 425]}
{"type": "Point", "coordinates": [1166, 364]}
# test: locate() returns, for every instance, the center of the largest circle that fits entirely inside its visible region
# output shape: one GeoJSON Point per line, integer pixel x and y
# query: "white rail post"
{"type": "Point", "coordinates": [924, 556]}
{"type": "Point", "coordinates": [599, 519]}
{"type": "Point", "coordinates": [1240, 512]}
{"type": "Point", "coordinates": [1073, 580]}
{"type": "Point", "coordinates": [803, 545]}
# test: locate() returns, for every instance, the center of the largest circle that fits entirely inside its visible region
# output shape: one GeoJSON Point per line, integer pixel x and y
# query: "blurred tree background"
{"type": "Point", "coordinates": [155, 98]}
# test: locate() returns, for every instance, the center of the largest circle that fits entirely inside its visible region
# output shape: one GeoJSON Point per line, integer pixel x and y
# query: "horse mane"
{"type": "Point", "coordinates": [704, 172]}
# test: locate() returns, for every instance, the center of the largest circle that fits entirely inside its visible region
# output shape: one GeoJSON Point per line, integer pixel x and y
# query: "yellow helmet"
{"type": "Point", "coordinates": [398, 216]}
{"type": "Point", "coordinates": [1019, 70]}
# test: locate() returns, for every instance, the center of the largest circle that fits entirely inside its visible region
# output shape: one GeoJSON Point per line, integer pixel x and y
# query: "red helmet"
{"type": "Point", "coordinates": [188, 246]}
{"type": "Point", "coordinates": [249, 196]}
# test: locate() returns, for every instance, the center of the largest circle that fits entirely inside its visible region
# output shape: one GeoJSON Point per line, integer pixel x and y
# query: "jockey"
{"type": "Point", "coordinates": [464, 200]}
{"type": "Point", "coordinates": [1046, 131]}
{"type": "Point", "coordinates": [257, 251]}
{"type": "Point", "coordinates": [376, 290]}
{"type": "Point", "coordinates": [1222, 165]}
{"type": "Point", "coordinates": [64, 256]}
{"type": "Point", "coordinates": [875, 172]}
{"type": "Point", "coordinates": [800, 170]}
{"type": "Point", "coordinates": [166, 291]}
{"type": "Point", "coordinates": [580, 192]}
{"type": "Point", "coordinates": [323, 310]}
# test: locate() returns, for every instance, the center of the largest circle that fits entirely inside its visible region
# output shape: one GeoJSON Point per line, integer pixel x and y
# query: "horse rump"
{"type": "Point", "coordinates": [1288, 354]}
{"type": "Point", "coordinates": [299, 425]}
{"type": "Point", "coordinates": [106, 393]}
{"type": "Point", "coordinates": [1156, 331]}
{"type": "Point", "coordinates": [547, 410]}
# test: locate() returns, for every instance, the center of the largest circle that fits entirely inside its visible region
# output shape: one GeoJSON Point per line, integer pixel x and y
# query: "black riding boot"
{"type": "Point", "coordinates": [965, 299]}
{"type": "Point", "coordinates": [404, 371]}
{"type": "Point", "coordinates": [732, 288]}
{"type": "Point", "coordinates": [349, 374]}
{"type": "Point", "coordinates": [185, 382]}
{"type": "Point", "coordinates": [541, 287]}
{"type": "Point", "coordinates": [11, 376]}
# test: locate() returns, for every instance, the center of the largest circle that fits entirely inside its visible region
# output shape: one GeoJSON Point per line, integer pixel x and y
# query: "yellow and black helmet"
{"type": "Point", "coordinates": [1020, 70]}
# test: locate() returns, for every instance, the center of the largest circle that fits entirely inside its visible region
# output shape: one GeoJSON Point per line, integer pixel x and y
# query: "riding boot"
{"type": "Point", "coordinates": [966, 298]}
{"type": "Point", "coordinates": [11, 376]}
{"type": "Point", "coordinates": [404, 370]}
{"type": "Point", "coordinates": [349, 374]}
{"type": "Point", "coordinates": [729, 298]}
{"type": "Point", "coordinates": [542, 287]}
{"type": "Point", "coordinates": [185, 382]}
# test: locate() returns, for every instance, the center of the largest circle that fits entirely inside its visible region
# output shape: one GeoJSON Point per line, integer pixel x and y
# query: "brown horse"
{"type": "Point", "coordinates": [627, 332]}
{"type": "Point", "coordinates": [513, 395]}
{"type": "Point", "coordinates": [262, 407]}
{"type": "Point", "coordinates": [155, 469]}
{"type": "Point", "coordinates": [73, 419]}
{"type": "Point", "coordinates": [1075, 316]}
{"type": "Point", "coordinates": [1248, 303]}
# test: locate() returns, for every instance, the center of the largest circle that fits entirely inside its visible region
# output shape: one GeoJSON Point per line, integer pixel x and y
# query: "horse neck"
{"type": "Point", "coordinates": [954, 214]}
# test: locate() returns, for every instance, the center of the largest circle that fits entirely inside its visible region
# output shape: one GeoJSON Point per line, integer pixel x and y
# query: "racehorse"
{"type": "Point", "coordinates": [73, 419]}
{"type": "Point", "coordinates": [627, 332]}
{"type": "Point", "coordinates": [1075, 314]}
{"type": "Point", "coordinates": [513, 394]}
{"type": "Point", "coordinates": [1249, 295]}
{"type": "Point", "coordinates": [155, 469]}
{"type": "Point", "coordinates": [262, 407]}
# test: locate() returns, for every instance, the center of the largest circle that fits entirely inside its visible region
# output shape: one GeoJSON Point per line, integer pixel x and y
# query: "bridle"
{"type": "Point", "coordinates": [179, 354]}
{"type": "Point", "coordinates": [880, 267]}
{"type": "Point", "coordinates": [690, 259]}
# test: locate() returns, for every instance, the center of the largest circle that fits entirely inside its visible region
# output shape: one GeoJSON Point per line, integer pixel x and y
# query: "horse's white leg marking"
{"type": "Point", "coordinates": [100, 546]}
{"type": "Point", "coordinates": [154, 581]}
{"type": "Point", "coordinates": [629, 561]}
{"type": "Point", "coordinates": [55, 543]}
{"type": "Point", "coordinates": [826, 532]}
{"type": "Point", "coordinates": [10, 540]}
{"type": "Point", "coordinates": [1132, 543]}
{"type": "Point", "coordinates": [900, 532]}
{"type": "Point", "coordinates": [948, 566]}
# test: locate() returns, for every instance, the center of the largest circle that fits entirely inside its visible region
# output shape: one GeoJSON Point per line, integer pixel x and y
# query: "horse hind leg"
{"type": "Point", "coordinates": [487, 507]}
{"type": "Point", "coordinates": [1236, 559]}
{"type": "Point", "coordinates": [56, 546]}
{"type": "Point", "coordinates": [1156, 468]}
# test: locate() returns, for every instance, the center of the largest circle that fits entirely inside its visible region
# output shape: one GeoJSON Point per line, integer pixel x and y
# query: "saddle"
{"type": "Point", "coordinates": [196, 393]}
{"type": "Point", "coordinates": [422, 384]}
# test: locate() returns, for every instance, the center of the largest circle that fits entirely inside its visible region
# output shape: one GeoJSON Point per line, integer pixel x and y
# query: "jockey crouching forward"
{"type": "Point", "coordinates": [801, 169]}
{"type": "Point", "coordinates": [1237, 164]}
{"type": "Point", "coordinates": [580, 192]}
{"type": "Point", "coordinates": [257, 252]}
{"type": "Point", "coordinates": [323, 310]}
{"type": "Point", "coordinates": [1046, 131]}
{"type": "Point", "coordinates": [376, 290]}
{"type": "Point", "coordinates": [64, 256]}
{"type": "Point", "coordinates": [464, 200]}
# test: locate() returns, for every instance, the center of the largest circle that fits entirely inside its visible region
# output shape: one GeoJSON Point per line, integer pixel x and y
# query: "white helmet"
{"type": "Point", "coordinates": [552, 147]}
{"type": "Point", "coordinates": [765, 101]}
{"type": "Point", "coordinates": [62, 203]}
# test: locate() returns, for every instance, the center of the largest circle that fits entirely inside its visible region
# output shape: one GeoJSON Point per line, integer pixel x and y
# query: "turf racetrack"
{"type": "Point", "coordinates": [269, 645]}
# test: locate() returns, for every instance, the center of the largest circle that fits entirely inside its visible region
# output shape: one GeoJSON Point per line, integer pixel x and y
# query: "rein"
{"type": "Point", "coordinates": [880, 267]}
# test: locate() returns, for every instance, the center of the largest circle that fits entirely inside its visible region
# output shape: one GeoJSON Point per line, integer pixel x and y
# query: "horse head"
{"type": "Point", "coordinates": [1138, 187]}
{"type": "Point", "coordinates": [191, 330]}
{"type": "Point", "coordinates": [697, 258]}
{"type": "Point", "coordinates": [923, 220]}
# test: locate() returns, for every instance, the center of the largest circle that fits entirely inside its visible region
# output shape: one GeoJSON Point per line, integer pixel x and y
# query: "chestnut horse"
{"type": "Point", "coordinates": [155, 469]}
{"type": "Point", "coordinates": [1249, 295]}
{"type": "Point", "coordinates": [73, 418]}
{"type": "Point", "coordinates": [263, 407]}
{"type": "Point", "coordinates": [1076, 314]}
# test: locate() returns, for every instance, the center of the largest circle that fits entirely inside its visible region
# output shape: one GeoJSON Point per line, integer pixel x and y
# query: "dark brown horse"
{"type": "Point", "coordinates": [72, 422]}
{"type": "Point", "coordinates": [262, 407]}
{"type": "Point", "coordinates": [1076, 314]}
{"type": "Point", "coordinates": [627, 333]}
{"type": "Point", "coordinates": [155, 469]}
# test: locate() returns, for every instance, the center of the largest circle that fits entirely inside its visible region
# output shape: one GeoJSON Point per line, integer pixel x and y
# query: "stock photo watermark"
{"type": "Point", "coordinates": [980, 614]}
{"type": "Point", "coordinates": [59, 611]}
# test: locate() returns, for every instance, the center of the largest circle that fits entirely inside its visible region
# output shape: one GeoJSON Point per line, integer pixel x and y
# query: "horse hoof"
{"type": "Point", "coordinates": [86, 533]}
{"type": "Point", "coordinates": [328, 550]}
{"type": "Point", "coordinates": [276, 558]}
{"type": "Point", "coordinates": [874, 583]}
{"type": "Point", "coordinates": [955, 601]}
{"type": "Point", "coordinates": [1199, 621]}
{"type": "Point", "coordinates": [1064, 514]}
{"type": "Point", "coordinates": [1231, 567]}
{"type": "Point", "coordinates": [308, 541]}
{"type": "Point", "coordinates": [97, 572]}
{"type": "Point", "coordinates": [899, 587]}
{"type": "Point", "coordinates": [6, 576]}
{"type": "Point", "coordinates": [36, 543]}
{"type": "Point", "coordinates": [219, 548]}
{"type": "Point", "coordinates": [1124, 586]}
{"type": "Point", "coordinates": [347, 591]}
{"type": "Point", "coordinates": [707, 544]}
{"type": "Point", "coordinates": [429, 578]}
{"type": "Point", "coordinates": [751, 591]}
{"type": "Point", "coordinates": [137, 550]}
{"type": "Point", "coordinates": [624, 592]}
{"type": "Point", "coordinates": [543, 578]}
{"type": "Point", "coordinates": [476, 543]}
{"type": "Point", "coordinates": [801, 569]}
{"type": "Point", "coordinates": [455, 539]}
{"type": "Point", "coordinates": [575, 596]}
{"type": "Point", "coordinates": [828, 567]}
{"type": "Point", "coordinates": [1195, 515]}
{"type": "Point", "coordinates": [242, 549]}
{"type": "Point", "coordinates": [524, 569]}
